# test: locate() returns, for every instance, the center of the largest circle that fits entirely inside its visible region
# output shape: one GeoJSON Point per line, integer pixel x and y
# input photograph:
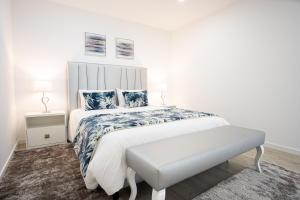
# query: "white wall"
{"type": "Point", "coordinates": [244, 64]}
{"type": "Point", "coordinates": [7, 105]}
{"type": "Point", "coordinates": [47, 35]}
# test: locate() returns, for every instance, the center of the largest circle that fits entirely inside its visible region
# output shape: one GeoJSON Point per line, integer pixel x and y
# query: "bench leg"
{"type": "Point", "coordinates": [158, 195]}
{"type": "Point", "coordinates": [131, 180]}
{"type": "Point", "coordinates": [259, 153]}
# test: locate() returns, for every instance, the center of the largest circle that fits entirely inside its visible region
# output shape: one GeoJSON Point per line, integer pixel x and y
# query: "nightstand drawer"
{"type": "Point", "coordinates": [42, 136]}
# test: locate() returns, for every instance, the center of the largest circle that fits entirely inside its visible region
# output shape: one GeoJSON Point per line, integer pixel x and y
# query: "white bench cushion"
{"type": "Point", "coordinates": [169, 161]}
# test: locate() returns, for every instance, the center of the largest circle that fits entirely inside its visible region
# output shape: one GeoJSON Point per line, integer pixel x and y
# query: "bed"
{"type": "Point", "coordinates": [107, 166]}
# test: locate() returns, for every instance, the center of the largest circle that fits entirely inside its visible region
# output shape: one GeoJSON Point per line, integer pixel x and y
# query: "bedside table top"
{"type": "Point", "coordinates": [168, 106]}
{"type": "Point", "coordinates": [43, 114]}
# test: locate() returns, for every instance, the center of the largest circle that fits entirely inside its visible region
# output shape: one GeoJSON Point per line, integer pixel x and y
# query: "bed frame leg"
{"type": "Point", "coordinates": [131, 180]}
{"type": "Point", "coordinates": [158, 195]}
{"type": "Point", "coordinates": [116, 196]}
{"type": "Point", "coordinates": [259, 152]}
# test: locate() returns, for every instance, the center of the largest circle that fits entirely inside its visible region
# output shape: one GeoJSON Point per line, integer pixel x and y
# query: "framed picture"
{"type": "Point", "coordinates": [124, 48]}
{"type": "Point", "coordinates": [95, 44]}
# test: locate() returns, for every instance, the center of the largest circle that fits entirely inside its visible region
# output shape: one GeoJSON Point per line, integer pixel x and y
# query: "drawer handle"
{"type": "Point", "coordinates": [47, 136]}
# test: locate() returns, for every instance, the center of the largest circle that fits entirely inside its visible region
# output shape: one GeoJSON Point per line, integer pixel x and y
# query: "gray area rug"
{"type": "Point", "coordinates": [46, 173]}
{"type": "Point", "coordinates": [274, 183]}
{"type": "Point", "coordinates": [53, 173]}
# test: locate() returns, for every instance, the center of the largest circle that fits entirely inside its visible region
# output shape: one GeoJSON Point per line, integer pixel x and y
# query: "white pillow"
{"type": "Point", "coordinates": [121, 98]}
{"type": "Point", "coordinates": [82, 99]}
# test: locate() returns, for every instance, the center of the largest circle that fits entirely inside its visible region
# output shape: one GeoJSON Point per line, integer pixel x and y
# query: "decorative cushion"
{"type": "Point", "coordinates": [121, 99]}
{"type": "Point", "coordinates": [135, 98]}
{"type": "Point", "coordinates": [97, 100]}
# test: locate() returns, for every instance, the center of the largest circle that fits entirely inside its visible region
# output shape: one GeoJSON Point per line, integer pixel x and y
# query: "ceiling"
{"type": "Point", "coordinates": [164, 14]}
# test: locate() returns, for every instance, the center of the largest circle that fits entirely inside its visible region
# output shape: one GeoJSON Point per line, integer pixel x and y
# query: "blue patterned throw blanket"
{"type": "Point", "coordinates": [93, 128]}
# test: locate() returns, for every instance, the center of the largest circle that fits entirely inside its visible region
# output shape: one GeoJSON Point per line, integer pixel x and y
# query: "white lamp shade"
{"type": "Point", "coordinates": [43, 86]}
{"type": "Point", "coordinates": [163, 87]}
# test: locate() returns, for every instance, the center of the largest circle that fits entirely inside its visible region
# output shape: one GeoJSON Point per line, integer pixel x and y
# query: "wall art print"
{"type": "Point", "coordinates": [124, 48]}
{"type": "Point", "coordinates": [95, 44]}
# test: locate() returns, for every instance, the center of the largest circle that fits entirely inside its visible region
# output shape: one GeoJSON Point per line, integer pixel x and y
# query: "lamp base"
{"type": "Point", "coordinates": [162, 96]}
{"type": "Point", "coordinates": [45, 100]}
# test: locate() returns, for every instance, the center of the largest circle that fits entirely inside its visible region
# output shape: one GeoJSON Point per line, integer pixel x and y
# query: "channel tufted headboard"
{"type": "Point", "coordinates": [95, 76]}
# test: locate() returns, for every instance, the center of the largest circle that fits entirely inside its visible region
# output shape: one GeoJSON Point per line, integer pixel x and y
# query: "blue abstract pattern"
{"type": "Point", "coordinates": [135, 99]}
{"type": "Point", "coordinates": [93, 128]}
{"type": "Point", "coordinates": [99, 100]}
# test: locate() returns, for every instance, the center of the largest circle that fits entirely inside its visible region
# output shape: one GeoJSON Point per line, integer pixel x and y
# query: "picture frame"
{"type": "Point", "coordinates": [95, 44]}
{"type": "Point", "coordinates": [124, 48]}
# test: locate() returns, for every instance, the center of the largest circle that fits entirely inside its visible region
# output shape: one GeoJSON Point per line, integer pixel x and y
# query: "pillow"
{"type": "Point", "coordinates": [97, 99]}
{"type": "Point", "coordinates": [82, 99]}
{"type": "Point", "coordinates": [121, 99]}
{"type": "Point", "coordinates": [135, 98]}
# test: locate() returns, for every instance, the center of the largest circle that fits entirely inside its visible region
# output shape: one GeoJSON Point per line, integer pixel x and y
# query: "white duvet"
{"type": "Point", "coordinates": [108, 165]}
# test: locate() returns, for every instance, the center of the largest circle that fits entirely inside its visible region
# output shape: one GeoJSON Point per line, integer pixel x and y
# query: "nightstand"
{"type": "Point", "coordinates": [45, 129]}
{"type": "Point", "coordinates": [169, 106]}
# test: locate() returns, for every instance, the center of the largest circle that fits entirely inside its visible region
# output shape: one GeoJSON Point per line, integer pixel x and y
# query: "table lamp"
{"type": "Point", "coordinates": [163, 90]}
{"type": "Point", "coordinates": [43, 86]}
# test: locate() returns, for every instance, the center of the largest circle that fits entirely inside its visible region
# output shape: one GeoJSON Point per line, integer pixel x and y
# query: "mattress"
{"type": "Point", "coordinates": [108, 165]}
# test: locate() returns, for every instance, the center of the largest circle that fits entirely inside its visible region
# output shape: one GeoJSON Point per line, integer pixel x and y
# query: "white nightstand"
{"type": "Point", "coordinates": [169, 106]}
{"type": "Point", "coordinates": [45, 129]}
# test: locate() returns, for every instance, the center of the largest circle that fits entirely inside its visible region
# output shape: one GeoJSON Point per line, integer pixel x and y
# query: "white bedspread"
{"type": "Point", "coordinates": [108, 166]}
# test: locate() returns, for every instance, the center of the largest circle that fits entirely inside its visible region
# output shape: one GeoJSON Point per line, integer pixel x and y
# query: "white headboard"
{"type": "Point", "coordinates": [95, 76]}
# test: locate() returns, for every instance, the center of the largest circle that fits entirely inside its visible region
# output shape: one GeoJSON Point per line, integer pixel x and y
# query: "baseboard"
{"type": "Point", "coordinates": [290, 150]}
{"type": "Point", "coordinates": [8, 159]}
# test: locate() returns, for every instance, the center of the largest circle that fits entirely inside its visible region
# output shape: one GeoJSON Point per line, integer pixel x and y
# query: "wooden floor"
{"type": "Point", "coordinates": [192, 187]}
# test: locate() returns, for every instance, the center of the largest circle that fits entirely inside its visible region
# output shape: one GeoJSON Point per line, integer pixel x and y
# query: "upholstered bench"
{"type": "Point", "coordinates": [166, 162]}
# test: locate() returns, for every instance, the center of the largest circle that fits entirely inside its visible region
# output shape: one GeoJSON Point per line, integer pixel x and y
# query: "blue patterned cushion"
{"type": "Point", "coordinates": [135, 99]}
{"type": "Point", "coordinates": [99, 100]}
